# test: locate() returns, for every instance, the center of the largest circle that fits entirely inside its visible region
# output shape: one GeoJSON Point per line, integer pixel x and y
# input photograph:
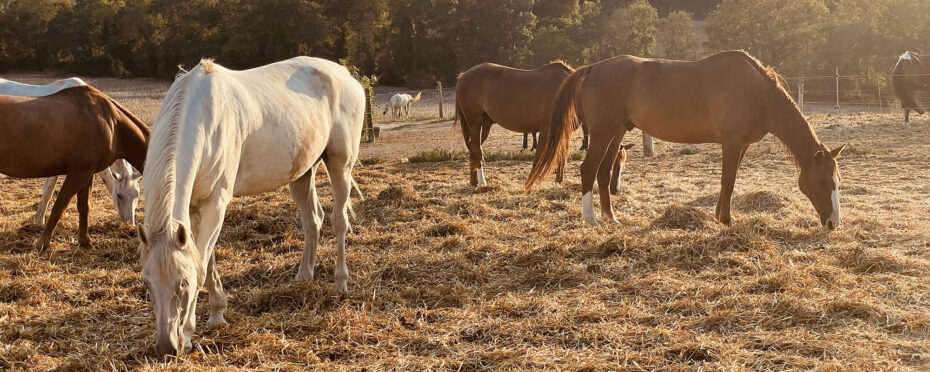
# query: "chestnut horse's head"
{"type": "Point", "coordinates": [820, 181]}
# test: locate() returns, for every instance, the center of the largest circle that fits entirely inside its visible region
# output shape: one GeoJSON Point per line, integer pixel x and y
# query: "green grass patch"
{"type": "Point", "coordinates": [493, 156]}
{"type": "Point", "coordinates": [438, 155]}
{"type": "Point", "coordinates": [689, 150]}
{"type": "Point", "coordinates": [372, 160]}
{"type": "Point", "coordinates": [579, 155]}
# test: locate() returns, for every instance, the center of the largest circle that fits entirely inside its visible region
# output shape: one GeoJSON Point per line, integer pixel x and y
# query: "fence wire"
{"type": "Point", "coordinates": [814, 94]}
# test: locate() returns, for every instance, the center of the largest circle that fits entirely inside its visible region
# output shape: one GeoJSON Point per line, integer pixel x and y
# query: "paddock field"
{"type": "Point", "coordinates": [447, 277]}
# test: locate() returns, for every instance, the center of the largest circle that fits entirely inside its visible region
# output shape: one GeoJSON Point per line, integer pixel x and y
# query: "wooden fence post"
{"type": "Point", "coordinates": [369, 126]}
{"type": "Point", "coordinates": [648, 149]}
{"type": "Point", "coordinates": [439, 88]}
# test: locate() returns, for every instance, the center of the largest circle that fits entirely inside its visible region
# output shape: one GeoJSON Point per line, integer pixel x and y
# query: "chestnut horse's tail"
{"type": "Point", "coordinates": [460, 120]}
{"type": "Point", "coordinates": [553, 143]}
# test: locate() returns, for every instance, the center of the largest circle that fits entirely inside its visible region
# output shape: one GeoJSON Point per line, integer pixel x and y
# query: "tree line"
{"type": "Point", "coordinates": [417, 42]}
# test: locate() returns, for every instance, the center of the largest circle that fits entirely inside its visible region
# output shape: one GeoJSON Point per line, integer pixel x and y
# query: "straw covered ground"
{"type": "Point", "coordinates": [445, 276]}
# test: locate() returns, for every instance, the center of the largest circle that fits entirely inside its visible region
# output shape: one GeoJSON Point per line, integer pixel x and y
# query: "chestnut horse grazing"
{"type": "Point", "coordinates": [729, 98]}
{"type": "Point", "coordinates": [909, 75]}
{"type": "Point", "coordinates": [517, 100]}
{"type": "Point", "coordinates": [222, 133]}
{"type": "Point", "coordinates": [76, 132]}
{"type": "Point", "coordinates": [120, 179]}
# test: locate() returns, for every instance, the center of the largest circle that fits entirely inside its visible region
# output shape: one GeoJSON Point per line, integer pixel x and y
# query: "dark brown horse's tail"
{"type": "Point", "coordinates": [903, 83]}
{"type": "Point", "coordinates": [554, 139]}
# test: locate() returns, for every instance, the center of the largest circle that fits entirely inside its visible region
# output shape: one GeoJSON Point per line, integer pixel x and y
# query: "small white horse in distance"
{"type": "Point", "coordinates": [400, 105]}
{"type": "Point", "coordinates": [222, 133]}
{"type": "Point", "coordinates": [119, 178]}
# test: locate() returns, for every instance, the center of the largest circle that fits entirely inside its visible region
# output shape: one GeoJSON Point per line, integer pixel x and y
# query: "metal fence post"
{"type": "Point", "coordinates": [439, 88]}
{"type": "Point", "coordinates": [801, 95]}
{"type": "Point", "coordinates": [880, 103]}
{"type": "Point", "coordinates": [837, 90]}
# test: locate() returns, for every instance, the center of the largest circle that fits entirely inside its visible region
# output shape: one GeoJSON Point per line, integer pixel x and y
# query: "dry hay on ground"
{"type": "Point", "coordinates": [448, 277]}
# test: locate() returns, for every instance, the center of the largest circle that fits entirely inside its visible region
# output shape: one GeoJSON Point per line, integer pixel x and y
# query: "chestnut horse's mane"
{"type": "Point", "coordinates": [783, 108]}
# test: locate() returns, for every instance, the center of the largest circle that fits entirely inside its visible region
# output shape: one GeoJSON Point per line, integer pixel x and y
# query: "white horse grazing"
{"type": "Point", "coordinates": [400, 104]}
{"type": "Point", "coordinates": [120, 179]}
{"type": "Point", "coordinates": [222, 133]}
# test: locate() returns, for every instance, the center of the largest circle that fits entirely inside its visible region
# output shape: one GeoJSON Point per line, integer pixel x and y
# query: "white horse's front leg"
{"type": "Point", "coordinates": [47, 190]}
{"type": "Point", "coordinates": [208, 222]}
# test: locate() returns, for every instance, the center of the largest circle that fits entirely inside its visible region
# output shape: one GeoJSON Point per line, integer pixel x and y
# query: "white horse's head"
{"type": "Point", "coordinates": [125, 190]}
{"type": "Point", "coordinates": [172, 272]}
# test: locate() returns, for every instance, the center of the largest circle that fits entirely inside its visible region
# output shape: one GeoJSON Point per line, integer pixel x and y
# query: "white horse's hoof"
{"type": "Point", "coordinates": [304, 275]}
{"type": "Point", "coordinates": [591, 220]}
{"type": "Point", "coordinates": [341, 286]}
{"type": "Point", "coordinates": [39, 220]}
{"type": "Point", "coordinates": [216, 319]}
{"type": "Point", "coordinates": [904, 124]}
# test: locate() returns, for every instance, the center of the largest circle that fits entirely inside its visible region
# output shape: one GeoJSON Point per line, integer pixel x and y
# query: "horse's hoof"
{"type": "Point", "coordinates": [904, 124]}
{"type": "Point", "coordinates": [41, 245]}
{"type": "Point", "coordinates": [610, 220]}
{"type": "Point", "coordinates": [39, 220]}
{"type": "Point", "coordinates": [84, 243]}
{"type": "Point", "coordinates": [304, 276]}
{"type": "Point", "coordinates": [614, 191]}
{"type": "Point", "coordinates": [341, 286]}
{"type": "Point", "coordinates": [591, 220]}
{"type": "Point", "coordinates": [216, 320]}
{"type": "Point", "coordinates": [725, 220]}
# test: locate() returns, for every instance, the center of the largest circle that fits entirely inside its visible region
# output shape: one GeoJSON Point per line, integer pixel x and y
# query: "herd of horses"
{"type": "Point", "coordinates": [222, 133]}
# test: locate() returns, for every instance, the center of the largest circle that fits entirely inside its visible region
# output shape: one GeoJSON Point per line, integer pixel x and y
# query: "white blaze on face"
{"type": "Point", "coordinates": [481, 180]}
{"type": "Point", "coordinates": [835, 202]}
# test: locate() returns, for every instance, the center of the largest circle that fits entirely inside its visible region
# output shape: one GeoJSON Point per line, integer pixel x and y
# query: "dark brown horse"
{"type": "Point", "coordinates": [517, 100]}
{"type": "Point", "coordinates": [729, 98]}
{"type": "Point", "coordinates": [910, 75]}
{"type": "Point", "coordinates": [76, 132]}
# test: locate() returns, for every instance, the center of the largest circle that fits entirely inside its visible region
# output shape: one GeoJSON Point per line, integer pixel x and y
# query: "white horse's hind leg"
{"type": "Point", "coordinates": [340, 174]}
{"type": "Point", "coordinates": [303, 190]}
{"type": "Point", "coordinates": [217, 299]}
{"type": "Point", "coordinates": [47, 190]}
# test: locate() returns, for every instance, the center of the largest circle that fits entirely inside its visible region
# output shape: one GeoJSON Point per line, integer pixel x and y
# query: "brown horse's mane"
{"type": "Point", "coordinates": [784, 109]}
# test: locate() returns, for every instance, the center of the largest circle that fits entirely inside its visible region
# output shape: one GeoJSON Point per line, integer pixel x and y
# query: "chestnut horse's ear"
{"type": "Point", "coordinates": [837, 151]}
{"type": "Point", "coordinates": [629, 146]}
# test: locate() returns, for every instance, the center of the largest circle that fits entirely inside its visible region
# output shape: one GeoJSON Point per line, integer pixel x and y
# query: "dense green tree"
{"type": "Point", "coordinates": [23, 26]}
{"type": "Point", "coordinates": [632, 30]}
{"type": "Point", "coordinates": [782, 33]}
{"type": "Point", "coordinates": [676, 36]}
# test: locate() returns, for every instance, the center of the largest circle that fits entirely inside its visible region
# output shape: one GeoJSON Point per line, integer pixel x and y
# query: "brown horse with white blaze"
{"type": "Point", "coordinates": [517, 100]}
{"type": "Point", "coordinates": [729, 98]}
{"type": "Point", "coordinates": [76, 132]}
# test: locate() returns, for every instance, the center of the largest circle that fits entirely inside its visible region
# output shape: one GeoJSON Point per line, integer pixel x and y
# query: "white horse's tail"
{"type": "Point", "coordinates": [417, 98]}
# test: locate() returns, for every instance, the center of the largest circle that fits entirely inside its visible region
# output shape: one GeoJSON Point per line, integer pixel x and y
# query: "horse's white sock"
{"type": "Point", "coordinates": [481, 180]}
{"type": "Point", "coordinates": [587, 208]}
